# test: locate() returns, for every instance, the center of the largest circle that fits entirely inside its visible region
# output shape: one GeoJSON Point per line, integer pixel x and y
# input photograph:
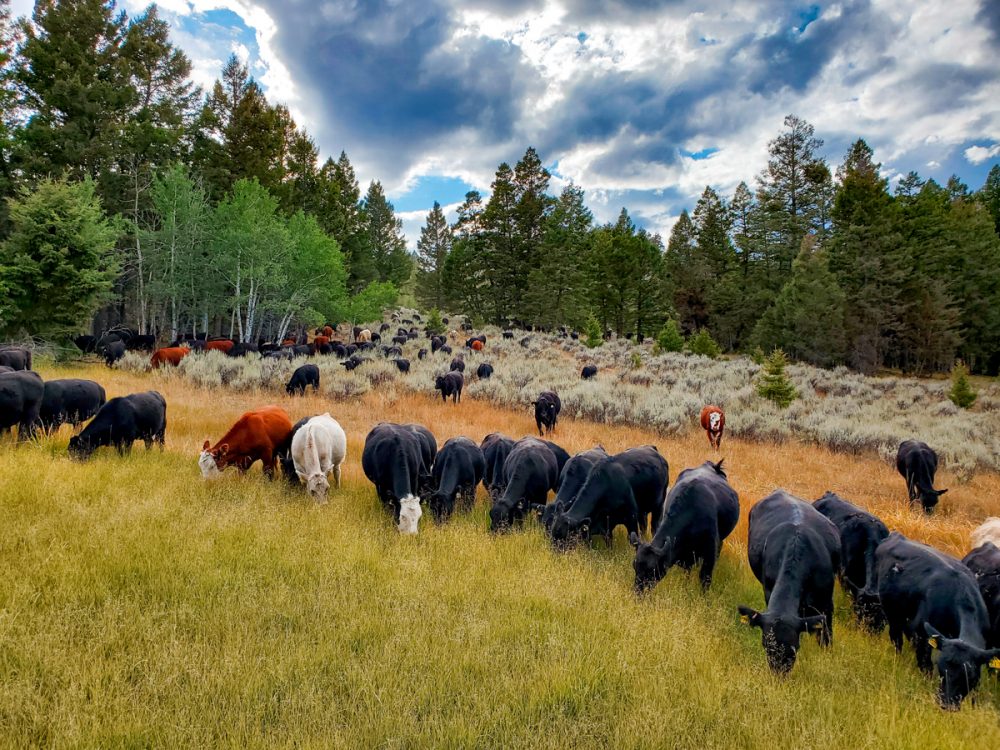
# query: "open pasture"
{"type": "Point", "coordinates": [143, 606]}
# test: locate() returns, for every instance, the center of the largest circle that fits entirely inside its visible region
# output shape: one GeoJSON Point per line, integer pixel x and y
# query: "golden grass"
{"type": "Point", "coordinates": [142, 606]}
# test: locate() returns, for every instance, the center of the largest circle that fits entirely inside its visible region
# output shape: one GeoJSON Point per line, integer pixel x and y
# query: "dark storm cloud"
{"type": "Point", "coordinates": [989, 16]}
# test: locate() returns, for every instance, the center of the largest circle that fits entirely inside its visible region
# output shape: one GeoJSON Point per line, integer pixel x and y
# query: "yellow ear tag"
{"type": "Point", "coordinates": [818, 626]}
{"type": "Point", "coordinates": [995, 662]}
{"type": "Point", "coordinates": [745, 619]}
{"type": "Point", "coordinates": [933, 642]}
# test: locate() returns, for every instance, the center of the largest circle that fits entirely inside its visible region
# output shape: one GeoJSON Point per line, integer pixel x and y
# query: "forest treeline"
{"type": "Point", "coordinates": [830, 265]}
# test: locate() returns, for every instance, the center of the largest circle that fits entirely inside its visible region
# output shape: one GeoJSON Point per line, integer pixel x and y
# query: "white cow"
{"type": "Point", "coordinates": [988, 532]}
{"type": "Point", "coordinates": [409, 514]}
{"type": "Point", "coordinates": [319, 447]}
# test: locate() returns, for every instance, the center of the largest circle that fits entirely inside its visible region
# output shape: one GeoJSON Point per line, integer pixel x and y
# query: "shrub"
{"type": "Point", "coordinates": [669, 339]}
{"type": "Point", "coordinates": [961, 393]}
{"type": "Point", "coordinates": [773, 384]}
{"type": "Point", "coordinates": [595, 337]}
{"type": "Point", "coordinates": [636, 360]}
{"type": "Point", "coordinates": [757, 356]}
{"type": "Point", "coordinates": [702, 343]}
{"type": "Point", "coordinates": [434, 323]}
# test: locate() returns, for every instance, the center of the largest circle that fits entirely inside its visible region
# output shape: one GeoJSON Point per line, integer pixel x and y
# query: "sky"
{"type": "Point", "coordinates": [642, 103]}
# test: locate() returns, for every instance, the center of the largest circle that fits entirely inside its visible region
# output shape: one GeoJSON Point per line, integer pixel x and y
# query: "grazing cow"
{"type": "Point", "coordinates": [285, 459]}
{"type": "Point", "coordinates": [457, 365]}
{"type": "Point", "coordinates": [364, 336]}
{"type": "Point", "coordinates": [393, 461]}
{"type": "Point", "coordinates": [328, 331]}
{"type": "Point", "coordinates": [366, 346]}
{"type": "Point", "coordinates": [450, 384]}
{"type": "Point", "coordinates": [917, 463]}
{"type": "Point", "coordinates": [401, 340]}
{"type": "Point", "coordinates": [588, 372]}
{"type": "Point", "coordinates": [572, 477]}
{"type": "Point", "coordinates": [547, 409]}
{"type": "Point", "coordinates": [794, 552]}
{"type": "Point", "coordinates": [484, 371]}
{"type": "Point", "coordinates": [113, 351]}
{"type": "Point", "coordinates": [69, 401]}
{"type": "Point", "coordinates": [445, 349]}
{"type": "Point", "coordinates": [384, 327]}
{"type": "Point", "coordinates": [122, 421]}
{"type": "Point", "coordinates": [984, 562]}
{"type": "Point", "coordinates": [495, 448]}
{"type": "Point", "coordinates": [403, 365]}
{"type": "Point", "coordinates": [338, 350]}
{"type": "Point", "coordinates": [86, 343]}
{"type": "Point", "coordinates": [319, 447]}
{"type": "Point", "coordinates": [21, 395]}
{"type": "Point", "coordinates": [713, 422]}
{"type": "Point", "coordinates": [934, 600]}
{"type": "Point", "coordinates": [354, 362]}
{"type": "Point", "coordinates": [304, 375]}
{"type": "Point", "coordinates": [477, 345]}
{"type": "Point", "coordinates": [350, 350]}
{"type": "Point", "coordinates": [701, 510]}
{"type": "Point", "coordinates": [245, 350]}
{"type": "Point", "coordinates": [422, 354]}
{"type": "Point", "coordinates": [605, 501]}
{"type": "Point", "coordinates": [428, 452]}
{"type": "Point", "coordinates": [168, 356]}
{"type": "Point", "coordinates": [318, 343]}
{"type": "Point", "coordinates": [258, 435]}
{"type": "Point", "coordinates": [392, 351]}
{"type": "Point", "coordinates": [988, 531]}
{"type": "Point", "coordinates": [860, 535]}
{"type": "Point", "coordinates": [529, 472]}
{"type": "Point", "coordinates": [458, 469]}
{"type": "Point", "coordinates": [16, 358]}
{"type": "Point", "coordinates": [141, 343]}
{"type": "Point", "coordinates": [508, 334]}
{"type": "Point", "coordinates": [436, 343]}
{"type": "Point", "coordinates": [648, 476]}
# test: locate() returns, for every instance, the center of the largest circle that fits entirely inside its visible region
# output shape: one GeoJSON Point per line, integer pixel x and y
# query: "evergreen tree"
{"type": "Point", "coordinates": [703, 344]}
{"type": "Point", "coordinates": [339, 213]}
{"type": "Point", "coordinates": [669, 339]}
{"type": "Point", "coordinates": [432, 253]}
{"type": "Point", "coordinates": [434, 324]}
{"type": "Point", "coordinates": [464, 273]}
{"type": "Point", "coordinates": [9, 111]}
{"type": "Point", "coordinates": [500, 250]}
{"type": "Point", "coordinates": [595, 336]}
{"type": "Point", "coordinates": [961, 393]}
{"type": "Point", "coordinates": [989, 195]}
{"type": "Point", "coordinates": [57, 266]}
{"type": "Point", "coordinates": [687, 277]}
{"type": "Point", "coordinates": [773, 384]}
{"type": "Point", "coordinates": [384, 237]}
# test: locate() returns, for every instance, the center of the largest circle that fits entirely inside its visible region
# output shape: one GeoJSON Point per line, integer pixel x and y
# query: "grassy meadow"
{"type": "Point", "coordinates": [142, 606]}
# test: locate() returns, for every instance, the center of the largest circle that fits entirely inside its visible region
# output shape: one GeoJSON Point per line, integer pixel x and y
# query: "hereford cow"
{"type": "Point", "coordinates": [259, 435]}
{"type": "Point", "coordinates": [168, 356]}
{"type": "Point", "coordinates": [318, 448]}
{"type": "Point", "coordinates": [713, 421]}
{"type": "Point", "coordinates": [122, 421]}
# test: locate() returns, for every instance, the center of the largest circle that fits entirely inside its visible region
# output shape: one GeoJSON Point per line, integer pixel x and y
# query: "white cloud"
{"type": "Point", "coordinates": [979, 154]}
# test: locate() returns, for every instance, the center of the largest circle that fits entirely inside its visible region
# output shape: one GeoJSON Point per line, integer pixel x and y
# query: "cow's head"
{"type": "Point", "coordinates": [650, 563]}
{"type": "Point", "coordinates": [959, 666]}
{"type": "Point", "coordinates": [80, 447]}
{"type": "Point", "coordinates": [505, 511]}
{"type": "Point", "coordinates": [714, 419]}
{"type": "Point", "coordinates": [317, 485]}
{"type": "Point", "coordinates": [441, 505]}
{"type": "Point", "coordinates": [566, 531]}
{"type": "Point", "coordinates": [868, 608]}
{"type": "Point", "coordinates": [409, 514]}
{"type": "Point", "coordinates": [780, 634]}
{"type": "Point", "coordinates": [929, 499]}
{"type": "Point", "coordinates": [212, 462]}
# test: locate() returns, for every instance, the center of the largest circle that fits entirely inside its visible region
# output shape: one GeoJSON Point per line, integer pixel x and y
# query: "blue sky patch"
{"type": "Point", "coordinates": [430, 188]}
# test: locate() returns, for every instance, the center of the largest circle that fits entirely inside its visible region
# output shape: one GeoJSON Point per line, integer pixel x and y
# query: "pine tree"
{"type": "Point", "coordinates": [339, 213]}
{"type": "Point", "coordinates": [595, 336]}
{"type": "Point", "coordinates": [961, 393]}
{"type": "Point", "coordinates": [703, 344]}
{"type": "Point", "coordinates": [773, 384]}
{"type": "Point", "coordinates": [432, 254]}
{"type": "Point", "coordinates": [434, 324]}
{"type": "Point", "coordinates": [500, 258]}
{"type": "Point", "coordinates": [384, 237]}
{"type": "Point", "coordinates": [669, 339]}
{"type": "Point", "coordinates": [989, 195]}
{"type": "Point", "coordinates": [687, 277]}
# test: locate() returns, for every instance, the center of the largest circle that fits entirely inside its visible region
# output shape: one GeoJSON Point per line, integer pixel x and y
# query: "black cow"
{"type": "Point", "coordinates": [422, 354]}
{"type": "Point", "coordinates": [572, 477]}
{"type": "Point", "coordinates": [304, 375]}
{"type": "Point", "coordinates": [21, 394]}
{"type": "Point", "coordinates": [529, 472]}
{"type": "Point", "coordinates": [445, 349]}
{"type": "Point", "coordinates": [436, 343]}
{"type": "Point", "coordinates": [403, 365]}
{"type": "Point", "coordinates": [141, 343]}
{"type": "Point", "coordinates": [246, 349]}
{"type": "Point", "coordinates": [860, 535]}
{"type": "Point", "coordinates": [508, 334]}
{"type": "Point", "coordinates": [392, 460]}
{"type": "Point", "coordinates": [458, 469]}
{"type": "Point", "coordinates": [384, 327]}
{"type": "Point", "coordinates": [457, 365]}
{"type": "Point", "coordinates": [86, 343]}
{"type": "Point", "coordinates": [588, 372]}
{"type": "Point", "coordinates": [338, 350]}
{"type": "Point", "coordinates": [495, 448]}
{"type": "Point", "coordinates": [701, 510]}
{"type": "Point", "coordinates": [917, 462]}
{"type": "Point", "coordinates": [605, 501]}
{"type": "Point", "coordinates": [401, 340]}
{"type": "Point", "coordinates": [16, 358]}
{"type": "Point", "coordinates": [648, 476]}
{"type": "Point", "coordinates": [391, 351]}
{"type": "Point", "coordinates": [350, 350]}
{"type": "Point", "coordinates": [933, 600]}
{"type": "Point", "coordinates": [450, 385]}
{"type": "Point", "coordinates": [484, 371]}
{"type": "Point", "coordinates": [547, 409]}
{"type": "Point", "coordinates": [69, 401]}
{"type": "Point", "coordinates": [984, 562]}
{"type": "Point", "coordinates": [354, 362]}
{"type": "Point", "coordinates": [122, 421]}
{"type": "Point", "coordinates": [794, 551]}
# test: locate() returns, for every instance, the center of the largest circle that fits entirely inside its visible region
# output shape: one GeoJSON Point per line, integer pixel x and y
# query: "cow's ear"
{"type": "Point", "coordinates": [749, 616]}
{"type": "Point", "coordinates": [934, 638]}
{"type": "Point", "coordinates": [941, 492]}
{"type": "Point", "coordinates": [816, 623]}
{"type": "Point", "coordinates": [206, 446]}
{"type": "Point", "coordinates": [994, 662]}
{"type": "Point", "coordinates": [223, 449]}
{"type": "Point", "coordinates": [634, 539]}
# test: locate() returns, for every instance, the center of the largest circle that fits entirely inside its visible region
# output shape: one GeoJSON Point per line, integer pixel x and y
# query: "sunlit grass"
{"type": "Point", "coordinates": [140, 605]}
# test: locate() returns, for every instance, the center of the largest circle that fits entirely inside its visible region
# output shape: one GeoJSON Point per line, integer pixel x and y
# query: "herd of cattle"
{"type": "Point", "coordinates": [796, 549]}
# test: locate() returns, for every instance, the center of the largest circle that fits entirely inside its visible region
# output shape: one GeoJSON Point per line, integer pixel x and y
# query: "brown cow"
{"type": "Point", "coordinates": [223, 346]}
{"type": "Point", "coordinates": [169, 356]}
{"type": "Point", "coordinates": [477, 345]}
{"type": "Point", "coordinates": [328, 331]}
{"type": "Point", "coordinates": [318, 342]}
{"type": "Point", "coordinates": [260, 435]}
{"type": "Point", "coordinates": [713, 421]}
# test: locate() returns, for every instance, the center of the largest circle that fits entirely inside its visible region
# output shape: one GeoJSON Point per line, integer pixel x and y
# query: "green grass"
{"type": "Point", "coordinates": [141, 606]}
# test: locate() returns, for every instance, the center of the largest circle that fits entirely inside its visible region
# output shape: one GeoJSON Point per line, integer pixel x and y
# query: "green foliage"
{"type": "Point", "coordinates": [961, 393]}
{"type": "Point", "coordinates": [702, 343]}
{"type": "Point", "coordinates": [636, 360]}
{"type": "Point", "coordinates": [595, 336]}
{"type": "Point", "coordinates": [669, 339]}
{"type": "Point", "coordinates": [757, 356]}
{"type": "Point", "coordinates": [57, 267]}
{"type": "Point", "coordinates": [383, 233]}
{"type": "Point", "coordinates": [368, 304]}
{"type": "Point", "coordinates": [434, 325]}
{"type": "Point", "coordinates": [432, 255]}
{"type": "Point", "coordinates": [773, 384]}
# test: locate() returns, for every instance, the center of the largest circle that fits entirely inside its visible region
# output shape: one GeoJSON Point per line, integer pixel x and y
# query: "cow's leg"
{"type": "Point", "coordinates": [896, 636]}
{"type": "Point", "coordinates": [707, 569]}
{"type": "Point", "coordinates": [336, 475]}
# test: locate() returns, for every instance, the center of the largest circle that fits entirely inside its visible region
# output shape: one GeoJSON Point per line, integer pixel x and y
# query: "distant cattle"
{"type": "Point", "coordinates": [224, 346]}
{"type": "Point", "coordinates": [529, 472]}
{"type": "Point", "coordinates": [934, 601]}
{"type": "Point", "coordinates": [303, 377]}
{"type": "Point", "coordinates": [445, 349]}
{"type": "Point", "coordinates": [450, 384]}
{"type": "Point", "coordinates": [384, 327]}
{"type": "Point", "coordinates": [70, 401]}
{"type": "Point", "coordinates": [436, 343]}
{"type": "Point", "coordinates": [496, 448]}
{"type": "Point", "coordinates": [988, 531]}
{"type": "Point", "coordinates": [588, 372]}
{"type": "Point", "coordinates": [318, 448]}
{"type": "Point", "coordinates": [246, 349]}
{"type": "Point", "coordinates": [484, 371]}
{"type": "Point", "coordinates": [701, 510]}
{"type": "Point", "coordinates": [458, 469]}
{"type": "Point", "coordinates": [21, 394]}
{"type": "Point", "coordinates": [141, 343]}
{"type": "Point", "coordinates": [713, 422]}
{"type": "Point", "coordinates": [168, 356]}
{"type": "Point", "coordinates": [353, 362]}
{"type": "Point", "coordinates": [860, 535]}
{"type": "Point", "coordinates": [457, 365]}
{"type": "Point", "coordinates": [328, 331]}
{"type": "Point", "coordinates": [122, 421]}
{"type": "Point", "coordinates": [392, 351]}
{"type": "Point", "coordinates": [403, 365]}
{"type": "Point", "coordinates": [547, 409]}
{"type": "Point", "coordinates": [477, 346]}
{"type": "Point", "coordinates": [984, 562]}
{"type": "Point", "coordinates": [508, 334]}
{"type": "Point", "coordinates": [393, 461]}
{"type": "Point", "coordinates": [258, 435]}
{"type": "Point", "coordinates": [795, 550]}
{"type": "Point", "coordinates": [401, 340]}
{"type": "Point", "coordinates": [363, 336]}
{"type": "Point", "coordinates": [16, 358]}
{"type": "Point", "coordinates": [917, 463]}
{"type": "Point", "coordinates": [86, 343]}
{"type": "Point", "coordinates": [422, 354]}
{"type": "Point", "coordinates": [113, 351]}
